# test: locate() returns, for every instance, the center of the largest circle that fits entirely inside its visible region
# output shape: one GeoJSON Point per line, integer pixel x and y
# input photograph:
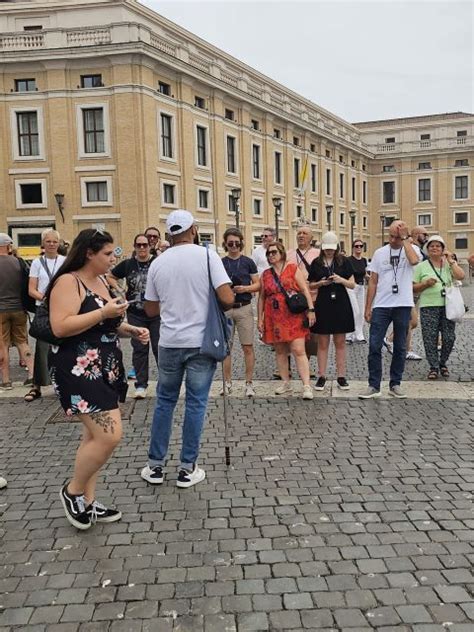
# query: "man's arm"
{"type": "Point", "coordinates": [225, 295]}
{"type": "Point", "coordinates": [371, 291]}
{"type": "Point", "coordinates": [152, 308]}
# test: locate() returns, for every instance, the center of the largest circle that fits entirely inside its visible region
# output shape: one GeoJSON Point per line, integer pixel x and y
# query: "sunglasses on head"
{"type": "Point", "coordinates": [272, 252]}
{"type": "Point", "coordinates": [233, 243]}
{"type": "Point", "coordinates": [142, 245]}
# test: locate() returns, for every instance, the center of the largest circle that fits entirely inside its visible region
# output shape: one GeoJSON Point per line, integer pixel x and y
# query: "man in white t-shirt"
{"type": "Point", "coordinates": [178, 290]}
{"type": "Point", "coordinates": [259, 254]}
{"type": "Point", "coordinates": [390, 300]}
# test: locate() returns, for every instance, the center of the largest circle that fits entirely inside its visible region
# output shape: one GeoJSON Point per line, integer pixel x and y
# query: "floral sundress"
{"type": "Point", "coordinates": [87, 370]}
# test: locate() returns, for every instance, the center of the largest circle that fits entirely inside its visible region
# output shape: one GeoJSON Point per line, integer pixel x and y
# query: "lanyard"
{"type": "Point", "coordinates": [330, 268]}
{"type": "Point", "coordinates": [395, 262]}
{"type": "Point", "coordinates": [228, 267]}
{"type": "Point", "coordinates": [437, 274]}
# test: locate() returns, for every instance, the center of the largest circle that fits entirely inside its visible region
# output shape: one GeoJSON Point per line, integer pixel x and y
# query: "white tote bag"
{"type": "Point", "coordinates": [354, 303]}
{"type": "Point", "coordinates": [455, 309]}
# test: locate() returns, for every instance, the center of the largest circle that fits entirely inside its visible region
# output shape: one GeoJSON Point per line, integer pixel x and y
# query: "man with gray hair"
{"type": "Point", "coordinates": [259, 255]}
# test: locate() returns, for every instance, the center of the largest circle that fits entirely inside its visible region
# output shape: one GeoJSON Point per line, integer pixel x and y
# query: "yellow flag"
{"type": "Point", "coordinates": [303, 177]}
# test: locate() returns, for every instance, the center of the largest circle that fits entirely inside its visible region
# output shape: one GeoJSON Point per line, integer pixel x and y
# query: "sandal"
{"type": "Point", "coordinates": [444, 371]}
{"type": "Point", "coordinates": [32, 394]}
{"type": "Point", "coordinates": [433, 374]}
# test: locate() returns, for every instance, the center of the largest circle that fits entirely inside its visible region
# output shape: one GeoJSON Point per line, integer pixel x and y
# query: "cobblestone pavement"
{"type": "Point", "coordinates": [335, 515]}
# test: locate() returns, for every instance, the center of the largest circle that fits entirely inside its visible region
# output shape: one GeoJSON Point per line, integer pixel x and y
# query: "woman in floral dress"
{"type": "Point", "coordinates": [86, 368]}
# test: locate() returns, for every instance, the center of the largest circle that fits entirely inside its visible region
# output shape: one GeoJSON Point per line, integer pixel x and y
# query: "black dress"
{"type": "Point", "coordinates": [333, 315]}
{"type": "Point", "coordinates": [87, 370]}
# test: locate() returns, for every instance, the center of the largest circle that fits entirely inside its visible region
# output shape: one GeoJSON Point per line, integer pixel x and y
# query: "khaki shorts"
{"type": "Point", "coordinates": [242, 318]}
{"type": "Point", "coordinates": [13, 328]}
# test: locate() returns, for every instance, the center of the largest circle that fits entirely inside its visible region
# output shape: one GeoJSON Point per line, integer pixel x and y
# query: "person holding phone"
{"type": "Point", "coordinates": [135, 272]}
{"type": "Point", "coordinates": [429, 281]}
{"type": "Point", "coordinates": [331, 275]}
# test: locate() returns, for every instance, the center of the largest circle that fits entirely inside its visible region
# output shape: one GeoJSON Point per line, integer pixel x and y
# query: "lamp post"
{"type": "Point", "coordinates": [329, 208]}
{"type": "Point", "coordinates": [382, 223]}
{"type": "Point", "coordinates": [235, 193]}
{"type": "Point", "coordinates": [352, 215]}
{"type": "Point", "coordinates": [59, 197]}
{"type": "Point", "coordinates": [277, 204]}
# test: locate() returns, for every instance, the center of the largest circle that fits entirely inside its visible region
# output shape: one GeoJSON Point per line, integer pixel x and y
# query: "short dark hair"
{"type": "Point", "coordinates": [233, 232]}
{"type": "Point", "coordinates": [153, 228]}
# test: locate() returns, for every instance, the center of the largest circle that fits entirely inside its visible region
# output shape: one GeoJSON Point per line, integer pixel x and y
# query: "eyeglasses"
{"type": "Point", "coordinates": [270, 253]}
{"type": "Point", "coordinates": [142, 245]}
{"type": "Point", "coordinates": [233, 243]}
{"type": "Point", "coordinates": [152, 236]}
{"type": "Point", "coordinates": [266, 236]}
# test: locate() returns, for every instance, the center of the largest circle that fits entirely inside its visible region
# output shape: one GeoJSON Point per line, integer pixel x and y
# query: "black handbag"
{"type": "Point", "coordinates": [296, 303]}
{"type": "Point", "coordinates": [40, 327]}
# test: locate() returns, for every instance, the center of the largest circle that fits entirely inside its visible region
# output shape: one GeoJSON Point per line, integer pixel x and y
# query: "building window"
{"type": "Point", "coordinates": [364, 192]}
{"type": "Point", "coordinates": [328, 153]}
{"type": "Point", "coordinates": [164, 88]}
{"type": "Point", "coordinates": [203, 198]}
{"type": "Point", "coordinates": [206, 238]}
{"type": "Point", "coordinates": [255, 124]}
{"type": "Point", "coordinates": [33, 27]}
{"type": "Point", "coordinates": [461, 243]}
{"type": "Point", "coordinates": [462, 162]}
{"type": "Point", "coordinates": [364, 167]}
{"type": "Point", "coordinates": [390, 140]}
{"type": "Point", "coordinates": [341, 185]}
{"type": "Point", "coordinates": [229, 114]}
{"type": "Point", "coordinates": [96, 191]}
{"type": "Point", "coordinates": [200, 102]}
{"type": "Point", "coordinates": [91, 81]}
{"type": "Point", "coordinates": [166, 135]}
{"type": "Point", "coordinates": [353, 191]}
{"type": "Point", "coordinates": [231, 168]}
{"type": "Point", "coordinates": [93, 120]}
{"type": "Point", "coordinates": [424, 165]}
{"type": "Point", "coordinates": [388, 168]}
{"type": "Point", "coordinates": [341, 158]}
{"type": "Point", "coordinates": [168, 193]}
{"type": "Point", "coordinates": [257, 206]}
{"type": "Point", "coordinates": [342, 219]}
{"type": "Point", "coordinates": [25, 85]}
{"type": "Point", "coordinates": [312, 148]}
{"type": "Point", "coordinates": [461, 188]}
{"type": "Point", "coordinates": [461, 217]}
{"type": "Point", "coordinates": [425, 136]}
{"type": "Point", "coordinates": [28, 134]}
{"type": "Point", "coordinates": [314, 215]}
{"type": "Point", "coordinates": [296, 172]}
{"type": "Point", "coordinates": [299, 210]}
{"type": "Point", "coordinates": [31, 193]}
{"type": "Point", "coordinates": [296, 141]}
{"type": "Point", "coordinates": [364, 221]}
{"type": "Point", "coordinates": [256, 161]}
{"type": "Point", "coordinates": [313, 178]}
{"type": "Point", "coordinates": [201, 136]}
{"type": "Point", "coordinates": [424, 219]}
{"type": "Point", "coordinates": [276, 133]}
{"type": "Point", "coordinates": [353, 164]}
{"type": "Point", "coordinates": [424, 189]}
{"type": "Point", "coordinates": [388, 192]}
{"type": "Point", "coordinates": [277, 167]}
{"type": "Point", "coordinates": [328, 181]}
{"type": "Point", "coordinates": [461, 133]}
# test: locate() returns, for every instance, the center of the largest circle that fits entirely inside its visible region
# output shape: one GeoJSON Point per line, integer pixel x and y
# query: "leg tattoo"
{"type": "Point", "coordinates": [105, 420]}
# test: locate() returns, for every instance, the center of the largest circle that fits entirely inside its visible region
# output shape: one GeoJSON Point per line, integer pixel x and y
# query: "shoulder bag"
{"type": "Point", "coordinates": [454, 302]}
{"type": "Point", "coordinates": [296, 303]}
{"type": "Point", "coordinates": [215, 342]}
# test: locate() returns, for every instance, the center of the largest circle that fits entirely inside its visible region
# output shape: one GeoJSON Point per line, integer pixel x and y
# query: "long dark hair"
{"type": "Point", "coordinates": [88, 239]}
{"type": "Point", "coordinates": [338, 257]}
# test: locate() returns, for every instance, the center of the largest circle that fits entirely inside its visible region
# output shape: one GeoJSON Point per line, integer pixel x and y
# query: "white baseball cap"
{"type": "Point", "coordinates": [179, 221]}
{"type": "Point", "coordinates": [329, 241]}
{"type": "Point", "coordinates": [433, 238]}
{"type": "Point", "coordinates": [5, 240]}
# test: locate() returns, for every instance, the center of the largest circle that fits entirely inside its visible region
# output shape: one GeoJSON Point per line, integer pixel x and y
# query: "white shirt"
{"type": "Point", "coordinates": [390, 274]}
{"type": "Point", "coordinates": [37, 271]}
{"type": "Point", "coordinates": [179, 281]}
{"type": "Point", "coordinates": [259, 255]}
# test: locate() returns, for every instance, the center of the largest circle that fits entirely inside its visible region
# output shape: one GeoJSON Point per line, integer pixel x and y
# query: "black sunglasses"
{"type": "Point", "coordinates": [142, 245]}
{"type": "Point", "coordinates": [233, 243]}
{"type": "Point", "coordinates": [358, 245]}
{"type": "Point", "coordinates": [272, 252]}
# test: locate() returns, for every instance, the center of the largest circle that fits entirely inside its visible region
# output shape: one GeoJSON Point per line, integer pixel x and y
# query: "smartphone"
{"type": "Point", "coordinates": [135, 300]}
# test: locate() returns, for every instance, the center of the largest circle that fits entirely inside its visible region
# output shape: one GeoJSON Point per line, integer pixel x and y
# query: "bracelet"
{"type": "Point", "coordinates": [311, 309]}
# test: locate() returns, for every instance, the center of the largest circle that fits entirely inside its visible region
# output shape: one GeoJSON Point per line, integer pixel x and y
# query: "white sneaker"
{"type": "Point", "coordinates": [140, 393]}
{"type": "Point", "coordinates": [396, 391]}
{"type": "Point", "coordinates": [308, 392]}
{"type": "Point", "coordinates": [187, 478]}
{"type": "Point", "coordinates": [228, 388]}
{"type": "Point", "coordinates": [411, 355]}
{"type": "Point", "coordinates": [284, 389]}
{"type": "Point", "coordinates": [388, 345]}
{"type": "Point", "coordinates": [3, 482]}
{"type": "Point", "coordinates": [153, 475]}
{"type": "Point", "coordinates": [249, 390]}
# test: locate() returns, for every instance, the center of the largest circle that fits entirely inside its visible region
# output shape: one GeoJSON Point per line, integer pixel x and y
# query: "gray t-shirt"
{"type": "Point", "coordinates": [10, 284]}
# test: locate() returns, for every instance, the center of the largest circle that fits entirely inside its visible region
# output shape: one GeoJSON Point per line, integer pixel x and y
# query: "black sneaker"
{"type": "Point", "coordinates": [320, 384]}
{"type": "Point", "coordinates": [153, 475]}
{"type": "Point", "coordinates": [99, 513]}
{"type": "Point", "coordinates": [187, 478]}
{"type": "Point", "coordinates": [75, 509]}
{"type": "Point", "coordinates": [342, 383]}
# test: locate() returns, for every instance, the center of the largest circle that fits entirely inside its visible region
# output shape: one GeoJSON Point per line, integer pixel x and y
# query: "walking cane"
{"type": "Point", "coordinates": [226, 425]}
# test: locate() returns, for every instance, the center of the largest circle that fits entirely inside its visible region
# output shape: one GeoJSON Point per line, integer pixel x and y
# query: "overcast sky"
{"type": "Point", "coordinates": [360, 60]}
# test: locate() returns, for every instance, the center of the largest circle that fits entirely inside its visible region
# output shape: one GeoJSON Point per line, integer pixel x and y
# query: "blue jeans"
{"type": "Point", "coordinates": [198, 370]}
{"type": "Point", "coordinates": [381, 319]}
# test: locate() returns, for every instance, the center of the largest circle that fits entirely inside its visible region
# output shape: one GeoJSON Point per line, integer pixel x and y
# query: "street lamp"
{"type": "Point", "coordinates": [382, 222]}
{"type": "Point", "coordinates": [329, 208]}
{"type": "Point", "coordinates": [59, 197]}
{"type": "Point", "coordinates": [277, 204]}
{"type": "Point", "coordinates": [235, 194]}
{"type": "Point", "coordinates": [352, 215]}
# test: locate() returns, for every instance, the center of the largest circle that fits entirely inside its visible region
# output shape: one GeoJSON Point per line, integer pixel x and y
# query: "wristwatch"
{"type": "Point", "coordinates": [310, 309]}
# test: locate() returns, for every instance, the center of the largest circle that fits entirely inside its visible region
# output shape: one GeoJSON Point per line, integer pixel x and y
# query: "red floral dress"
{"type": "Point", "coordinates": [280, 325]}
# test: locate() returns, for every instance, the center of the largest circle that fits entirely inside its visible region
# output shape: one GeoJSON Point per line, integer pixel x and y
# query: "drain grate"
{"type": "Point", "coordinates": [60, 417]}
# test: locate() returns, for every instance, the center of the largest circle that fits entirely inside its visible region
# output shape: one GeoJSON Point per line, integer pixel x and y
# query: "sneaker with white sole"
{"type": "Point", "coordinates": [188, 478]}
{"type": "Point", "coordinates": [75, 509]}
{"type": "Point", "coordinates": [388, 345]}
{"type": "Point", "coordinates": [411, 355]}
{"type": "Point", "coordinates": [370, 393]}
{"type": "Point", "coordinates": [249, 390]}
{"type": "Point", "coordinates": [320, 384]}
{"type": "Point", "coordinates": [284, 389]}
{"type": "Point", "coordinates": [396, 391]}
{"type": "Point", "coordinates": [100, 513]}
{"type": "Point", "coordinates": [153, 475]}
{"type": "Point", "coordinates": [228, 388]}
{"type": "Point", "coordinates": [140, 393]}
{"type": "Point", "coordinates": [3, 482]}
{"type": "Point", "coordinates": [342, 383]}
{"type": "Point", "coordinates": [308, 392]}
